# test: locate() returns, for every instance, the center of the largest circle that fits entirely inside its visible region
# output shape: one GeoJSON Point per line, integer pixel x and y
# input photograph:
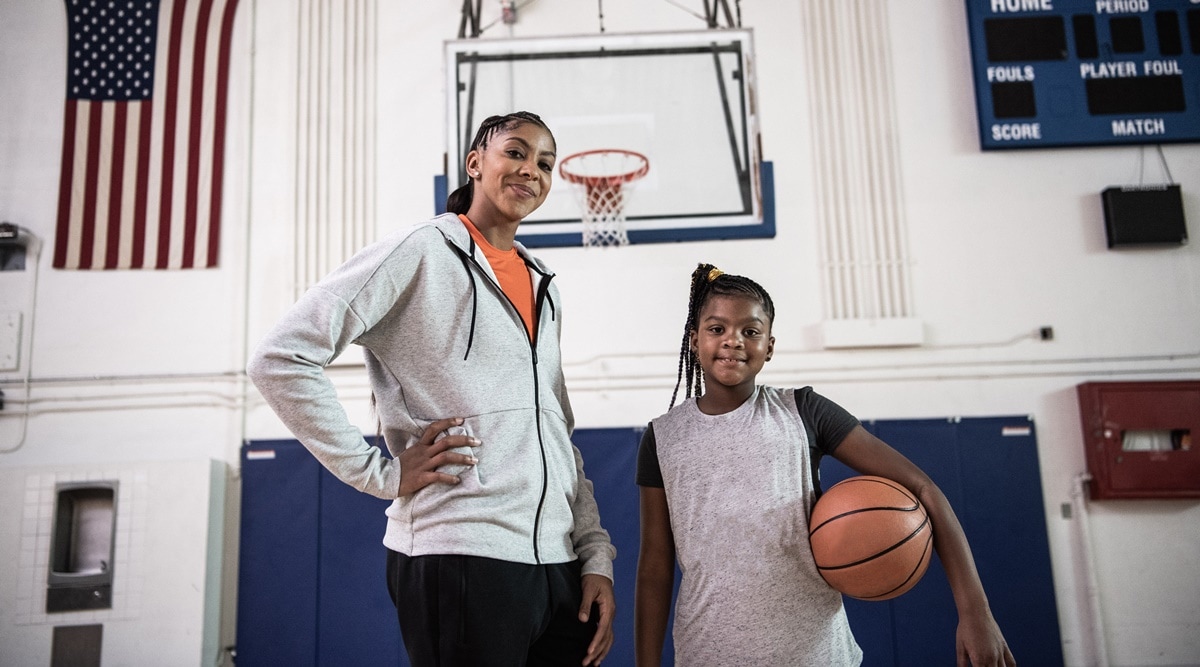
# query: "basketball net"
{"type": "Point", "coordinates": [603, 206]}
{"type": "Point", "coordinates": [600, 179]}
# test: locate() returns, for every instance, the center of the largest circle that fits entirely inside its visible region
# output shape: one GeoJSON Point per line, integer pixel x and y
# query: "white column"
{"type": "Point", "coordinates": [335, 133]}
{"type": "Point", "coordinates": [860, 208]}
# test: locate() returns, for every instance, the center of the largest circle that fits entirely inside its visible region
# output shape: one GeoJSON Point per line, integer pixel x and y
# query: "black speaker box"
{"type": "Point", "coordinates": [1144, 215]}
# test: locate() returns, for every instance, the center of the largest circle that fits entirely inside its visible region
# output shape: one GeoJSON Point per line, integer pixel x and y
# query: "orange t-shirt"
{"type": "Point", "coordinates": [511, 271]}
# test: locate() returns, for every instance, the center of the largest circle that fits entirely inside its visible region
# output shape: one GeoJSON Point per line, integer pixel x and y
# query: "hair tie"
{"type": "Point", "coordinates": [714, 274]}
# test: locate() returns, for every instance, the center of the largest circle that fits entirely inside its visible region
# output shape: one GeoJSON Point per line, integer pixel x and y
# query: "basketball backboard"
{"type": "Point", "coordinates": [685, 100]}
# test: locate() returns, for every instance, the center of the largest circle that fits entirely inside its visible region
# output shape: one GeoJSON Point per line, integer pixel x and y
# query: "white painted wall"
{"type": "Point", "coordinates": [146, 366]}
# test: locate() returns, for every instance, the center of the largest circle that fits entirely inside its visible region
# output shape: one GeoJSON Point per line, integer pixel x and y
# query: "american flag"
{"type": "Point", "coordinates": [143, 134]}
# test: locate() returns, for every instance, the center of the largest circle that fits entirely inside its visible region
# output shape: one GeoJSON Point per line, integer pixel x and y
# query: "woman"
{"type": "Point", "coordinates": [496, 555]}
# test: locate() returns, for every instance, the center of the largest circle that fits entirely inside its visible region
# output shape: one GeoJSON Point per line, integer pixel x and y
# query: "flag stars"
{"type": "Point", "coordinates": [110, 41]}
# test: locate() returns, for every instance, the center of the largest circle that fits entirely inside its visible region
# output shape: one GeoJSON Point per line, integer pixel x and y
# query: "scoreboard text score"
{"type": "Point", "coordinates": [1085, 73]}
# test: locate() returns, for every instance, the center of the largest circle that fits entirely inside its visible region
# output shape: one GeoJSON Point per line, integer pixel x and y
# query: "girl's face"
{"type": "Point", "coordinates": [732, 342]}
{"type": "Point", "coordinates": [512, 174]}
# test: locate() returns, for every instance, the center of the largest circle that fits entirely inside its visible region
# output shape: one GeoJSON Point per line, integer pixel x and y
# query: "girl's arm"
{"type": "Point", "coordinates": [655, 578]}
{"type": "Point", "coordinates": [979, 640]}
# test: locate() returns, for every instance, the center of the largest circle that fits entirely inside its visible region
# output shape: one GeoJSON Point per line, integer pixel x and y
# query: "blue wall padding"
{"type": "Point", "coordinates": [312, 589]}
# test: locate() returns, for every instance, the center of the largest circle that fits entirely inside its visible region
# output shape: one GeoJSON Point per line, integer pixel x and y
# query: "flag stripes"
{"type": "Point", "coordinates": [143, 134]}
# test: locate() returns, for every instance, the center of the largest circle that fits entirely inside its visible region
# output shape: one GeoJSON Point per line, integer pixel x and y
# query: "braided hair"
{"type": "Point", "coordinates": [459, 201]}
{"type": "Point", "coordinates": [709, 281]}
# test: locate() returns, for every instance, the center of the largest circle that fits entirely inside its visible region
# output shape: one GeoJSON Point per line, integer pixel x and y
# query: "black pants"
{"type": "Point", "coordinates": [478, 612]}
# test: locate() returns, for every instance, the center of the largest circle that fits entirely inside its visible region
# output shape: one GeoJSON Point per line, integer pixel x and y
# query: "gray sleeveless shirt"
{"type": "Point", "coordinates": [740, 487]}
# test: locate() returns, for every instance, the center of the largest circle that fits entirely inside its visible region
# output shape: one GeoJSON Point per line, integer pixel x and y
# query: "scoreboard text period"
{"type": "Point", "coordinates": [1085, 73]}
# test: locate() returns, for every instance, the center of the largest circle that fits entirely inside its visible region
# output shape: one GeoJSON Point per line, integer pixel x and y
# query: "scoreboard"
{"type": "Point", "coordinates": [1085, 73]}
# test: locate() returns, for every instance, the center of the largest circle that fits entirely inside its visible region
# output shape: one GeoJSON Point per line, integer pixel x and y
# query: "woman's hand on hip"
{"type": "Point", "coordinates": [419, 463]}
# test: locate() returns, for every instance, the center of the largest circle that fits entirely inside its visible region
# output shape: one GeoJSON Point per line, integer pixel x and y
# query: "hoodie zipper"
{"type": "Point", "coordinates": [542, 290]}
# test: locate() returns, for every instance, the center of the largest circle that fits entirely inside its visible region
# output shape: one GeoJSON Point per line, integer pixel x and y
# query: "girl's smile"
{"type": "Point", "coordinates": [732, 342]}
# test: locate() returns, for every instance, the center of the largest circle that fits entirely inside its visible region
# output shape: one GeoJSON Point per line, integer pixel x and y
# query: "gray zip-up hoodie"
{"type": "Point", "coordinates": [441, 340]}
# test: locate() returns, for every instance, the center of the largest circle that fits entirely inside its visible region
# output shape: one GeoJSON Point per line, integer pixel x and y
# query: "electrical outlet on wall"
{"type": "Point", "coordinates": [10, 340]}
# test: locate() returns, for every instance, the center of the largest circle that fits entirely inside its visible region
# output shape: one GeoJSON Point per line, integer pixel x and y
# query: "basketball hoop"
{"type": "Point", "coordinates": [600, 178]}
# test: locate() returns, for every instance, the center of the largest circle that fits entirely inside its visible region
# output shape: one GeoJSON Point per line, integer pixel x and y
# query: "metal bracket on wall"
{"type": "Point", "coordinates": [470, 17]}
{"type": "Point", "coordinates": [711, 16]}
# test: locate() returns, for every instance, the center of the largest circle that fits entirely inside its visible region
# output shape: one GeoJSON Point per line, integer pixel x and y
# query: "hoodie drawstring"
{"type": "Point", "coordinates": [474, 302]}
{"type": "Point", "coordinates": [466, 262]}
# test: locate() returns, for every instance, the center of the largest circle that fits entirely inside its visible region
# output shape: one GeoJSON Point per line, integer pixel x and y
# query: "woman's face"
{"type": "Point", "coordinates": [512, 174]}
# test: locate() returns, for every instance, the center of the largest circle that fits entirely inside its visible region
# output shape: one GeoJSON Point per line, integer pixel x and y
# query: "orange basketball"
{"type": "Point", "coordinates": [870, 537]}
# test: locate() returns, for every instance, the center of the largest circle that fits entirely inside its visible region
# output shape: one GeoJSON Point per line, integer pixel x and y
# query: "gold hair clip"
{"type": "Point", "coordinates": [714, 274]}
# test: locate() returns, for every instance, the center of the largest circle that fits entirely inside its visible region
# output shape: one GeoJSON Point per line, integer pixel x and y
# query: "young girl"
{"type": "Point", "coordinates": [727, 485]}
{"type": "Point", "coordinates": [496, 555]}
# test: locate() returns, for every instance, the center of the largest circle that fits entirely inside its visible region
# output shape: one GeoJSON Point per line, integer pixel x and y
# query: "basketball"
{"type": "Point", "coordinates": [870, 537]}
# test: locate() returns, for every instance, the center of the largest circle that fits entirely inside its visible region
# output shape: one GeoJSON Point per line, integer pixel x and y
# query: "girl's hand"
{"type": "Point", "coordinates": [980, 643]}
{"type": "Point", "coordinates": [419, 463]}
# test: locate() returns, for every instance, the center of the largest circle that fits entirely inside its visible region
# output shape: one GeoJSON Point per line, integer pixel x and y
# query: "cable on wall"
{"type": "Point", "coordinates": [1142, 165]}
{"type": "Point", "coordinates": [34, 248]}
